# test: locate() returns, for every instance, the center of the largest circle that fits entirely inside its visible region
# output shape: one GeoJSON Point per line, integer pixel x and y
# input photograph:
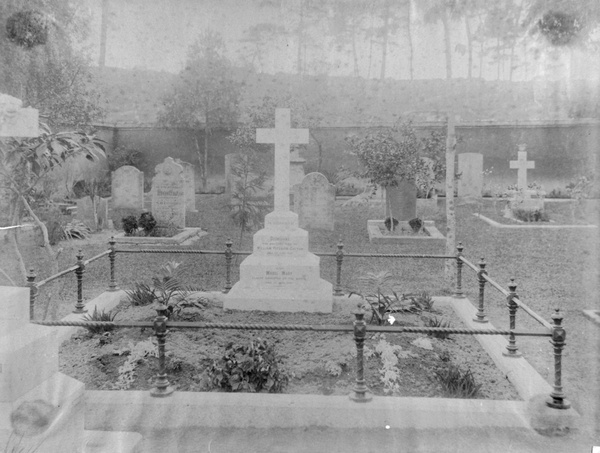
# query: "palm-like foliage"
{"type": "Point", "coordinates": [171, 291]}
{"type": "Point", "coordinates": [381, 292]}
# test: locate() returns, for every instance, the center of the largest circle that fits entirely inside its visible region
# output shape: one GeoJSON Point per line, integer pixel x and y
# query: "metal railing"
{"type": "Point", "coordinates": [554, 330]}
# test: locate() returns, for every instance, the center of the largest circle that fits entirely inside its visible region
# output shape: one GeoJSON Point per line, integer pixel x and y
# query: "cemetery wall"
{"type": "Point", "coordinates": [562, 150]}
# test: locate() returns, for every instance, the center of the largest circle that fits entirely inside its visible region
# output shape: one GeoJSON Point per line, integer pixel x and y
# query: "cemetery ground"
{"type": "Point", "coordinates": [553, 268]}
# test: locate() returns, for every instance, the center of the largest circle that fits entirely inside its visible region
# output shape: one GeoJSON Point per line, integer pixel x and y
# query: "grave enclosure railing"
{"type": "Point", "coordinates": [555, 331]}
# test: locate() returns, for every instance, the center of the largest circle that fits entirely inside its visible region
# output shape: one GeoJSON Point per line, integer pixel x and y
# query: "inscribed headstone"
{"type": "Point", "coordinates": [402, 201]}
{"type": "Point", "coordinates": [281, 274]}
{"type": "Point", "coordinates": [470, 167]}
{"type": "Point", "coordinates": [189, 185]}
{"type": "Point", "coordinates": [127, 188]}
{"type": "Point", "coordinates": [16, 121]}
{"type": "Point", "coordinates": [168, 194]}
{"type": "Point", "coordinates": [314, 202]}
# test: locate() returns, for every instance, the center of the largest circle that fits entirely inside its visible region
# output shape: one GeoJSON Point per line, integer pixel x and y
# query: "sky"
{"type": "Point", "coordinates": [155, 34]}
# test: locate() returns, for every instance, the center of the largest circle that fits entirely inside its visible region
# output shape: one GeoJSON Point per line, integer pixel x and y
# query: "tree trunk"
{"type": "Point", "coordinates": [469, 46]}
{"type": "Point", "coordinates": [410, 41]}
{"type": "Point", "coordinates": [300, 39]}
{"type": "Point", "coordinates": [354, 52]}
{"type": "Point", "coordinates": [386, 22]}
{"type": "Point", "coordinates": [447, 43]}
{"type": "Point", "coordinates": [450, 267]}
{"type": "Point", "coordinates": [103, 30]}
{"type": "Point", "coordinates": [49, 250]}
{"type": "Point", "coordinates": [200, 160]}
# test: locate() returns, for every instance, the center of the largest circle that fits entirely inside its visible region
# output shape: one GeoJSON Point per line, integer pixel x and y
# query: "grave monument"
{"type": "Point", "coordinates": [522, 197]}
{"type": "Point", "coordinates": [281, 274]}
{"type": "Point", "coordinates": [470, 167]}
{"type": "Point", "coordinates": [168, 194]}
{"type": "Point", "coordinates": [16, 121]}
{"type": "Point", "coordinates": [127, 188]}
{"type": "Point", "coordinates": [314, 202]}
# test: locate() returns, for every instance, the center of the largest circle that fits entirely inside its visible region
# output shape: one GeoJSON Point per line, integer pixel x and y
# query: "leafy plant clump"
{"type": "Point", "coordinates": [438, 322]}
{"type": "Point", "coordinates": [147, 223]}
{"type": "Point", "coordinates": [136, 354]}
{"type": "Point", "coordinates": [388, 223]}
{"type": "Point", "coordinates": [250, 368]}
{"type": "Point", "coordinates": [458, 383]}
{"type": "Point", "coordinates": [380, 292]}
{"type": "Point", "coordinates": [416, 224]}
{"type": "Point", "coordinates": [530, 215]}
{"type": "Point", "coordinates": [130, 225]}
{"type": "Point", "coordinates": [168, 289]}
{"type": "Point", "coordinates": [100, 316]}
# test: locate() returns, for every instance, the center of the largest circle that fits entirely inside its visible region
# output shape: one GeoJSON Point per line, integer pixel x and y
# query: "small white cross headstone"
{"type": "Point", "coordinates": [16, 121]}
{"type": "Point", "coordinates": [282, 136]}
{"type": "Point", "coordinates": [522, 165]}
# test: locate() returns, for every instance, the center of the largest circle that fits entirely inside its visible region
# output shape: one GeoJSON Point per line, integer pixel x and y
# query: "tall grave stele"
{"type": "Point", "coordinates": [281, 274]}
{"type": "Point", "coordinates": [168, 194]}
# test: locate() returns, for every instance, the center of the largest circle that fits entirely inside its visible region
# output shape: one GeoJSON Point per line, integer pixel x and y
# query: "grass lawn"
{"type": "Point", "coordinates": [552, 268]}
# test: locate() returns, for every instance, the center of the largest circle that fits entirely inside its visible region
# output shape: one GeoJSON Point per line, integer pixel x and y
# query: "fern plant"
{"type": "Point", "coordinates": [99, 316]}
{"type": "Point", "coordinates": [458, 383]}
{"type": "Point", "coordinates": [379, 291]}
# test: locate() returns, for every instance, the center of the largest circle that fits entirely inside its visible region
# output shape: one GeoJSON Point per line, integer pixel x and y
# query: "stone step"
{"type": "Point", "coordinates": [111, 441]}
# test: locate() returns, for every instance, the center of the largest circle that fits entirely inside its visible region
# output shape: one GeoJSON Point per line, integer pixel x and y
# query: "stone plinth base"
{"type": "Point", "coordinates": [281, 275]}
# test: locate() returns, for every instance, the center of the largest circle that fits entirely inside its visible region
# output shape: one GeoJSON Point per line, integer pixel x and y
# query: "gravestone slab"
{"type": "Point", "coordinates": [127, 188]}
{"type": "Point", "coordinates": [402, 200]}
{"type": "Point", "coordinates": [314, 202]}
{"type": "Point", "coordinates": [281, 274]}
{"type": "Point", "coordinates": [168, 194]}
{"type": "Point", "coordinates": [189, 185]}
{"type": "Point", "coordinates": [470, 166]}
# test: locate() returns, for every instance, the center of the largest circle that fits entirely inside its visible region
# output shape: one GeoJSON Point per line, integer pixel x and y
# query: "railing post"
{"type": "Point", "coordinates": [459, 265]}
{"type": "Point", "coordinates": [33, 291]}
{"type": "Point", "coordinates": [361, 392]}
{"type": "Point", "coordinates": [162, 385]}
{"type": "Point", "coordinates": [228, 259]}
{"type": "Point", "coordinates": [480, 317]}
{"type": "Point", "coordinates": [112, 285]}
{"type": "Point", "coordinates": [557, 398]}
{"type": "Point", "coordinates": [339, 258]}
{"type": "Point", "coordinates": [511, 349]}
{"type": "Point", "coordinates": [79, 306]}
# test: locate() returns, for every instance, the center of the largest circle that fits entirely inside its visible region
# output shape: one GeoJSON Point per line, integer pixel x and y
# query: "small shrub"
{"type": "Point", "coordinates": [416, 224]}
{"type": "Point", "coordinates": [458, 383]}
{"type": "Point", "coordinates": [99, 316]}
{"type": "Point", "coordinates": [423, 301]}
{"type": "Point", "coordinates": [435, 322]}
{"type": "Point", "coordinates": [249, 368]}
{"type": "Point", "coordinates": [76, 230]}
{"type": "Point", "coordinates": [141, 295]}
{"type": "Point", "coordinates": [147, 222]}
{"type": "Point", "coordinates": [130, 225]}
{"type": "Point", "coordinates": [529, 215]}
{"type": "Point", "coordinates": [388, 223]}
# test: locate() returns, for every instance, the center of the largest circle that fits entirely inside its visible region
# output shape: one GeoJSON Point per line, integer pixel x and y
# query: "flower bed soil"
{"type": "Point", "coordinates": [317, 363]}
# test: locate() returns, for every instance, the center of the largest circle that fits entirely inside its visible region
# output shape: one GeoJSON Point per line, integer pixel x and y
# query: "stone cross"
{"type": "Point", "coordinates": [282, 136]}
{"type": "Point", "coordinates": [522, 165]}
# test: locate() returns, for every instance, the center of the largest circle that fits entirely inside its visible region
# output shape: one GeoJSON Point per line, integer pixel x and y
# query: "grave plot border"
{"type": "Point", "coordinates": [554, 330]}
{"type": "Point", "coordinates": [375, 235]}
{"type": "Point", "coordinates": [527, 226]}
{"type": "Point", "coordinates": [185, 237]}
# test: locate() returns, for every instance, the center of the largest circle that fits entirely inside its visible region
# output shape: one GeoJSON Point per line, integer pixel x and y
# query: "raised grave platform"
{"type": "Point", "coordinates": [432, 234]}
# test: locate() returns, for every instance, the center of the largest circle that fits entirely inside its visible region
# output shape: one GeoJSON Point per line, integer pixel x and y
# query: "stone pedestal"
{"type": "Point", "coordinates": [281, 274]}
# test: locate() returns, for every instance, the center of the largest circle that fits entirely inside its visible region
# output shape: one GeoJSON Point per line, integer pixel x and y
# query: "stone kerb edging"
{"type": "Point", "coordinates": [528, 226]}
{"type": "Point", "coordinates": [186, 237]}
